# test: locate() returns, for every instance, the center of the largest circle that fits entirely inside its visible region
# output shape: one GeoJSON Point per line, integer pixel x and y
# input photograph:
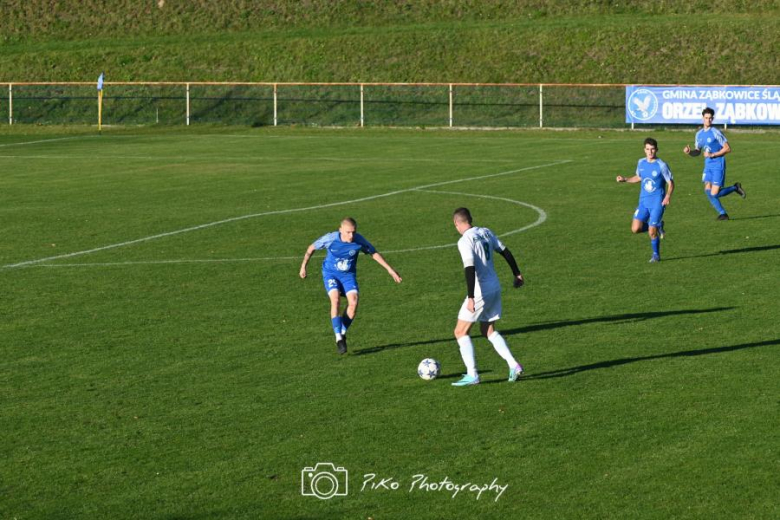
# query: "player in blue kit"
{"type": "Point", "coordinates": [656, 192]}
{"type": "Point", "coordinates": [339, 273]}
{"type": "Point", "coordinates": [711, 143]}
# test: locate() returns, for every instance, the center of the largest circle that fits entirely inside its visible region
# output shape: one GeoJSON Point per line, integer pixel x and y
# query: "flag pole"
{"type": "Point", "coordinates": [100, 102]}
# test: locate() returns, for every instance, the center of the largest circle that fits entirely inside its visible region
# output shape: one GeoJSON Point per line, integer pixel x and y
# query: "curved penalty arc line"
{"type": "Point", "coordinates": [44, 261]}
{"type": "Point", "coordinates": [540, 219]}
{"type": "Point", "coordinates": [542, 216]}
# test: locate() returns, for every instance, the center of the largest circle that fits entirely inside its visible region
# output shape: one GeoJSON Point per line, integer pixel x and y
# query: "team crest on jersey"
{"type": "Point", "coordinates": [655, 173]}
{"type": "Point", "coordinates": [352, 252]}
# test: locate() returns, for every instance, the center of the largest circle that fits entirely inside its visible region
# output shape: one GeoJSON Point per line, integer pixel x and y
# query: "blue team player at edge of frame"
{"type": "Point", "coordinates": [713, 145]}
{"type": "Point", "coordinates": [339, 273]}
{"type": "Point", "coordinates": [655, 176]}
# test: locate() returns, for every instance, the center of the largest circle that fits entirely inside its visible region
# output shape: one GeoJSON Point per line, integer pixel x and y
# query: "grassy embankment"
{"type": "Point", "coordinates": [450, 41]}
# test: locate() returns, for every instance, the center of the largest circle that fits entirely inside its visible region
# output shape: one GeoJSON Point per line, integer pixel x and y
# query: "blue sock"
{"type": "Point", "coordinates": [656, 243]}
{"type": "Point", "coordinates": [336, 322]}
{"type": "Point", "coordinates": [726, 191]}
{"type": "Point", "coordinates": [346, 321]}
{"type": "Point", "coordinates": [715, 203]}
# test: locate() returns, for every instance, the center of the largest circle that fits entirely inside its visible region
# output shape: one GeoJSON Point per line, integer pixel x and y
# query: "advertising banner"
{"type": "Point", "coordinates": [683, 105]}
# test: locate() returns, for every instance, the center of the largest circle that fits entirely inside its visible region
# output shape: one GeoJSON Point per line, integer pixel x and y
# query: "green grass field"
{"type": "Point", "coordinates": [162, 359]}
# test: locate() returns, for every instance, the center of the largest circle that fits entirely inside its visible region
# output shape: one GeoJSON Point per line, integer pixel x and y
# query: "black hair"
{"type": "Point", "coordinates": [462, 214]}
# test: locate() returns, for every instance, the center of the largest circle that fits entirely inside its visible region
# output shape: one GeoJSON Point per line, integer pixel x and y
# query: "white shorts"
{"type": "Point", "coordinates": [486, 308]}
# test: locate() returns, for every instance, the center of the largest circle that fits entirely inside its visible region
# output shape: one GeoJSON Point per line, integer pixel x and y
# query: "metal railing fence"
{"type": "Point", "coordinates": [318, 104]}
{"type": "Point", "coordinates": [464, 105]}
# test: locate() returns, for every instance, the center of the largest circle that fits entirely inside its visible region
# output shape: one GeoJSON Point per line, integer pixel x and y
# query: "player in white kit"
{"type": "Point", "coordinates": [483, 294]}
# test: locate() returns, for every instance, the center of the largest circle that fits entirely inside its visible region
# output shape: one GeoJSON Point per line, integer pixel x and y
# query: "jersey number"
{"type": "Point", "coordinates": [486, 247]}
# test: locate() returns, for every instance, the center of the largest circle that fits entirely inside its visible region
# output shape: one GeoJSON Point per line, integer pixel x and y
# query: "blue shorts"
{"type": "Point", "coordinates": [715, 176]}
{"type": "Point", "coordinates": [652, 215]}
{"type": "Point", "coordinates": [343, 282]}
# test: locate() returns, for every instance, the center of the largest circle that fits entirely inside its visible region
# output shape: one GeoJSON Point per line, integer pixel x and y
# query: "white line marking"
{"type": "Point", "coordinates": [183, 261]}
{"type": "Point", "coordinates": [44, 141]}
{"type": "Point", "coordinates": [211, 158]}
{"type": "Point", "coordinates": [539, 221]}
{"type": "Point", "coordinates": [277, 212]}
{"type": "Point", "coordinates": [102, 157]}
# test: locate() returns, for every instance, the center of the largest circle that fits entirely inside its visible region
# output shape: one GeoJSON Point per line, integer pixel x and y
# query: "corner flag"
{"type": "Point", "coordinates": [100, 102]}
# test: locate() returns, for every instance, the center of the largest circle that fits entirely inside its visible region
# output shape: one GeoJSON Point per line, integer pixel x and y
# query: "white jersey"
{"type": "Point", "coordinates": [477, 247]}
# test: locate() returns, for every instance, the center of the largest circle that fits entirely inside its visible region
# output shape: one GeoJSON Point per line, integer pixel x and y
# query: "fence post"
{"type": "Point", "coordinates": [275, 119]}
{"type": "Point", "coordinates": [362, 114]}
{"type": "Point", "coordinates": [541, 106]}
{"type": "Point", "coordinates": [188, 104]}
{"type": "Point", "coordinates": [10, 104]}
{"type": "Point", "coordinates": [451, 105]}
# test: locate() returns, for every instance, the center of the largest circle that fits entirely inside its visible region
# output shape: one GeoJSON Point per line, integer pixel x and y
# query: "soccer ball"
{"type": "Point", "coordinates": [428, 369]}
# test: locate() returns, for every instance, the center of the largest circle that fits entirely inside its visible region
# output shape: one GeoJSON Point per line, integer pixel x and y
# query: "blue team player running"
{"type": "Point", "coordinates": [711, 143]}
{"type": "Point", "coordinates": [655, 176]}
{"type": "Point", "coordinates": [339, 273]}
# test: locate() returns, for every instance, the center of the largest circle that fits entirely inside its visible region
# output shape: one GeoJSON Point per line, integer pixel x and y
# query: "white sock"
{"type": "Point", "coordinates": [339, 337]}
{"type": "Point", "coordinates": [502, 348]}
{"type": "Point", "coordinates": [467, 353]}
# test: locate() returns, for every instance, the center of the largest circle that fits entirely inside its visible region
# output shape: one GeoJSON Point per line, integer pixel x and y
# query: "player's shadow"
{"type": "Point", "coordinates": [389, 346]}
{"type": "Point", "coordinates": [624, 361]}
{"type": "Point", "coordinates": [617, 318]}
{"type": "Point", "coordinates": [756, 217]}
{"type": "Point", "coordinates": [726, 252]}
{"type": "Point", "coordinates": [628, 317]}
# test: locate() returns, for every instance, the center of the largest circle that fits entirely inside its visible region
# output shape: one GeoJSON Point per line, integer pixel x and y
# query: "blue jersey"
{"type": "Point", "coordinates": [711, 140]}
{"type": "Point", "coordinates": [342, 256]}
{"type": "Point", "coordinates": [654, 177]}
